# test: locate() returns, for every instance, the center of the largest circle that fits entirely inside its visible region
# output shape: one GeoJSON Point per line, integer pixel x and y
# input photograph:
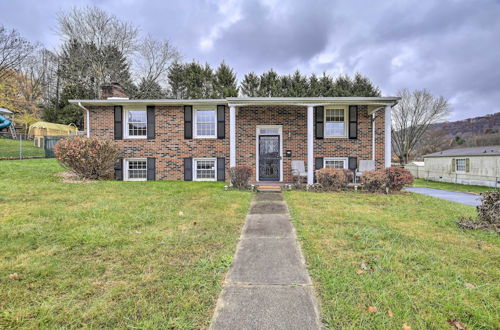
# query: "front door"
{"type": "Point", "coordinates": [269, 158]}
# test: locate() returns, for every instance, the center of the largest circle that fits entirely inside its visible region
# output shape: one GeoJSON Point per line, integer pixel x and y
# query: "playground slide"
{"type": "Point", "coordinates": [4, 122]}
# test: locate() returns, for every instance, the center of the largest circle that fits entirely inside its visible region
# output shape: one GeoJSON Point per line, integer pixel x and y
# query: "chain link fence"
{"type": "Point", "coordinates": [458, 178]}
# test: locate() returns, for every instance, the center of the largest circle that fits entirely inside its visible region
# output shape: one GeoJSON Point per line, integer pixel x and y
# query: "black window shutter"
{"type": "Point", "coordinates": [151, 121]}
{"type": "Point", "coordinates": [118, 122]}
{"type": "Point", "coordinates": [353, 122]}
{"type": "Point", "coordinates": [221, 169]}
{"type": "Point", "coordinates": [318, 163]}
{"type": "Point", "coordinates": [188, 122]}
{"type": "Point", "coordinates": [221, 122]}
{"type": "Point", "coordinates": [119, 169]}
{"type": "Point", "coordinates": [319, 122]}
{"type": "Point", "coordinates": [188, 169]}
{"type": "Point", "coordinates": [151, 174]}
{"type": "Point", "coordinates": [352, 163]}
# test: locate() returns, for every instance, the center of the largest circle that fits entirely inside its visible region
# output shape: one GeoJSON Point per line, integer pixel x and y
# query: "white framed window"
{"type": "Point", "coordinates": [205, 169]}
{"type": "Point", "coordinates": [136, 123]}
{"type": "Point", "coordinates": [205, 123]}
{"type": "Point", "coordinates": [336, 122]}
{"type": "Point", "coordinates": [136, 169]}
{"type": "Point", "coordinates": [335, 162]}
{"type": "Point", "coordinates": [461, 165]}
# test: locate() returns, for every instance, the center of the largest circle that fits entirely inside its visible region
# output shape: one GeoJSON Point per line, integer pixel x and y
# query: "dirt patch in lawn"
{"type": "Point", "coordinates": [72, 177]}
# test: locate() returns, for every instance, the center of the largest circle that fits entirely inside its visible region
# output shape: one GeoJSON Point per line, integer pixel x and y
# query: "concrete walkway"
{"type": "Point", "coordinates": [268, 286]}
{"type": "Point", "coordinates": [453, 196]}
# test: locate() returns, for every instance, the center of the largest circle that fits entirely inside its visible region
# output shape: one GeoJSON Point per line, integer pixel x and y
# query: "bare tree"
{"type": "Point", "coordinates": [13, 50]}
{"type": "Point", "coordinates": [91, 25]}
{"type": "Point", "coordinates": [411, 118]}
{"type": "Point", "coordinates": [153, 59]}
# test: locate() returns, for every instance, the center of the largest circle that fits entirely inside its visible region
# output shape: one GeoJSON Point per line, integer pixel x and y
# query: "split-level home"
{"type": "Point", "coordinates": [200, 140]}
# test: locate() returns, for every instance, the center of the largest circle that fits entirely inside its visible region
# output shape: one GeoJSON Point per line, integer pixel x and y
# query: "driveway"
{"type": "Point", "coordinates": [453, 196]}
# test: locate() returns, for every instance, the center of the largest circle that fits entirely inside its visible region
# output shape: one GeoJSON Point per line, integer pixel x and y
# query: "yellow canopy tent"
{"type": "Point", "coordinates": [41, 129]}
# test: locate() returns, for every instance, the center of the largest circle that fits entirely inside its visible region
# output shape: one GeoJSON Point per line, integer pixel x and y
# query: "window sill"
{"type": "Point", "coordinates": [336, 137]}
{"type": "Point", "coordinates": [205, 137]}
{"type": "Point", "coordinates": [135, 137]}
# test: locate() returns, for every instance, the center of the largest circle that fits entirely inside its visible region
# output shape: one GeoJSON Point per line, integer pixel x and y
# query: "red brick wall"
{"type": "Point", "coordinates": [170, 148]}
{"type": "Point", "coordinates": [294, 122]}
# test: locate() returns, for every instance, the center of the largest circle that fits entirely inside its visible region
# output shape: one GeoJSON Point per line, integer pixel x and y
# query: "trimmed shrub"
{"type": "Point", "coordinates": [391, 178]}
{"type": "Point", "coordinates": [398, 178]}
{"type": "Point", "coordinates": [89, 158]}
{"type": "Point", "coordinates": [374, 181]}
{"type": "Point", "coordinates": [332, 179]}
{"type": "Point", "coordinates": [240, 175]}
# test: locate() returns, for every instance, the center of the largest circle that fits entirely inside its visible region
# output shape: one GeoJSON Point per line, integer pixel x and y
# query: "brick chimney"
{"type": "Point", "coordinates": [113, 90]}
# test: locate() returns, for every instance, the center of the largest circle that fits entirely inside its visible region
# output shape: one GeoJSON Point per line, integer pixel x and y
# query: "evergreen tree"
{"type": "Point", "coordinates": [269, 84]}
{"type": "Point", "coordinates": [225, 82]}
{"type": "Point", "coordinates": [175, 78]}
{"type": "Point", "coordinates": [325, 85]}
{"type": "Point", "coordinates": [299, 86]}
{"type": "Point", "coordinates": [149, 89]}
{"type": "Point", "coordinates": [342, 86]}
{"type": "Point", "coordinates": [250, 85]}
{"type": "Point", "coordinates": [362, 86]}
{"type": "Point", "coordinates": [314, 86]}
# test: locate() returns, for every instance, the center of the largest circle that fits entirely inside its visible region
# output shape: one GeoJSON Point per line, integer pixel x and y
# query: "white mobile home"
{"type": "Point", "coordinates": [472, 166]}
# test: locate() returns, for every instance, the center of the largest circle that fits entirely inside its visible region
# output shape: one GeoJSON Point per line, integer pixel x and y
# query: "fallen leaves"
{"type": "Point", "coordinates": [372, 309]}
{"type": "Point", "coordinates": [469, 285]}
{"type": "Point", "coordinates": [457, 325]}
{"type": "Point", "coordinates": [406, 327]}
{"type": "Point", "coordinates": [181, 214]}
{"type": "Point", "coordinates": [14, 276]}
{"type": "Point", "coordinates": [360, 271]}
{"type": "Point", "coordinates": [389, 313]}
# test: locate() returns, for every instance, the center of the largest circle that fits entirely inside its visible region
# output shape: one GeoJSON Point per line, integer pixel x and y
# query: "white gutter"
{"type": "Point", "coordinates": [87, 120]}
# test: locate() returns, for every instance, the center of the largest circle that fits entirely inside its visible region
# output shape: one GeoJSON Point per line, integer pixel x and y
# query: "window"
{"type": "Point", "coordinates": [135, 123]}
{"type": "Point", "coordinates": [335, 163]}
{"type": "Point", "coordinates": [461, 165]}
{"type": "Point", "coordinates": [335, 123]}
{"type": "Point", "coordinates": [136, 170]}
{"type": "Point", "coordinates": [205, 123]}
{"type": "Point", "coordinates": [204, 169]}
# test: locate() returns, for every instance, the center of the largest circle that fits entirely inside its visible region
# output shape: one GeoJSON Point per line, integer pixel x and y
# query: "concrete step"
{"type": "Point", "coordinates": [264, 188]}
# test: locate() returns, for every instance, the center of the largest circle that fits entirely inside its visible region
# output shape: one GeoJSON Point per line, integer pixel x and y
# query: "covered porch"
{"type": "Point", "coordinates": [288, 129]}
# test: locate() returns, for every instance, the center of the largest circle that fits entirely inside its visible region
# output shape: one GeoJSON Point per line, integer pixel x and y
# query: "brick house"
{"type": "Point", "coordinates": [200, 140]}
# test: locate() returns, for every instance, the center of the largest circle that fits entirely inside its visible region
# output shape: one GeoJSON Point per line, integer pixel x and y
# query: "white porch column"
{"type": "Point", "coordinates": [310, 145]}
{"type": "Point", "coordinates": [388, 141]}
{"type": "Point", "coordinates": [232, 136]}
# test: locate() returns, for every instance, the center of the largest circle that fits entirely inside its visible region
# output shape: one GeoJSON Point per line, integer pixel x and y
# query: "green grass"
{"type": "Point", "coordinates": [10, 148]}
{"type": "Point", "coordinates": [421, 261]}
{"type": "Point", "coordinates": [450, 186]}
{"type": "Point", "coordinates": [112, 254]}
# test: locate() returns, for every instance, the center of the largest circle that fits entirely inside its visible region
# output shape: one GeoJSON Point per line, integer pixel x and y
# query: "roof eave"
{"type": "Point", "coordinates": [255, 101]}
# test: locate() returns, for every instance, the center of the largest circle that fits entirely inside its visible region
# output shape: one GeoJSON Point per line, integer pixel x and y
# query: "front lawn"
{"type": "Point", "coordinates": [451, 186]}
{"type": "Point", "coordinates": [112, 254]}
{"type": "Point", "coordinates": [420, 267]}
{"type": "Point", "coordinates": [10, 148]}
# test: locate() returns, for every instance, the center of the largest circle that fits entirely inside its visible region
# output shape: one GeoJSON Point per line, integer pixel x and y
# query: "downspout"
{"type": "Point", "coordinates": [87, 119]}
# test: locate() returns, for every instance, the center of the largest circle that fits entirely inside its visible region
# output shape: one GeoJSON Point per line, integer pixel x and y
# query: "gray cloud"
{"type": "Point", "coordinates": [450, 47]}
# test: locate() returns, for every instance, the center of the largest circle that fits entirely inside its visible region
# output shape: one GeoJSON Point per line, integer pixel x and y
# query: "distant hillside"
{"type": "Point", "coordinates": [470, 127]}
{"type": "Point", "coordinates": [472, 132]}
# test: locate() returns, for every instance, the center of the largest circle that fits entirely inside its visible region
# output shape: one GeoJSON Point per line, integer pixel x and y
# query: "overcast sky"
{"type": "Point", "coordinates": [451, 48]}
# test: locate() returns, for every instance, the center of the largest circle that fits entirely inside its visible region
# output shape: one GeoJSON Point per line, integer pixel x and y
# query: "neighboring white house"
{"type": "Point", "coordinates": [472, 166]}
